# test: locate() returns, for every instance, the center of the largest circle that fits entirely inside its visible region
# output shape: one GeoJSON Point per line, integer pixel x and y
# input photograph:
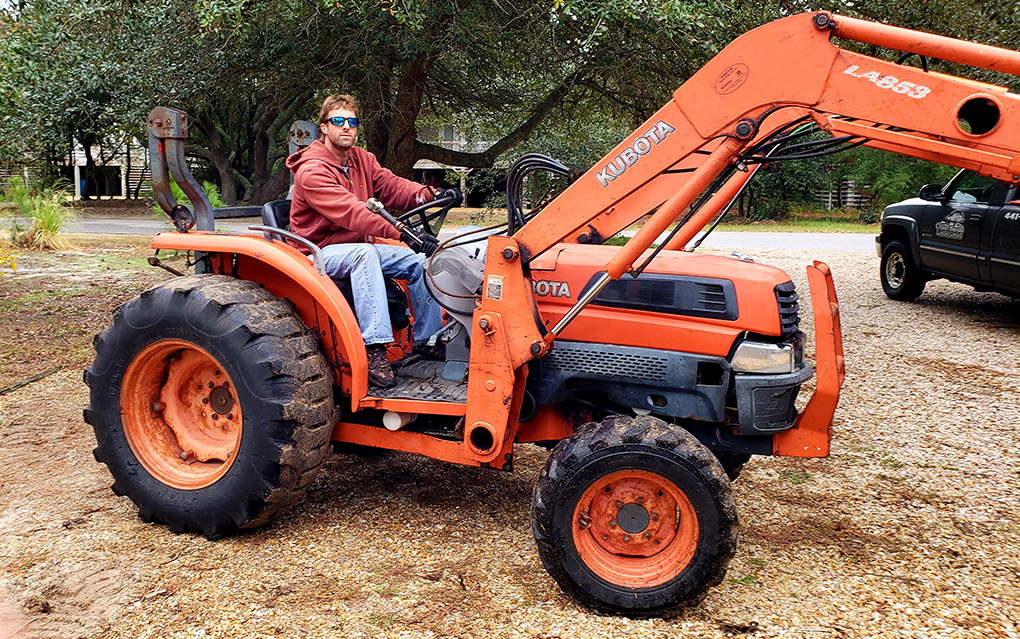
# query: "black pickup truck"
{"type": "Point", "coordinates": [966, 231]}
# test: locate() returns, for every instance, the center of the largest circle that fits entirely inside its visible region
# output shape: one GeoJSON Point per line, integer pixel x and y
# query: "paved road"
{"type": "Point", "coordinates": [743, 240]}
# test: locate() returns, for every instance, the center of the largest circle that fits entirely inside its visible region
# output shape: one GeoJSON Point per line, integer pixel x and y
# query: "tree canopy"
{"type": "Point", "coordinates": [505, 71]}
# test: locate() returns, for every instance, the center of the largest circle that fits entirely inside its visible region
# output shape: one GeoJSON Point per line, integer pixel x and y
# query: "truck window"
{"type": "Point", "coordinates": [973, 187]}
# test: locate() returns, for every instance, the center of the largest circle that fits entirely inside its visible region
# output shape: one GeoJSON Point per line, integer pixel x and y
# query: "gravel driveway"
{"type": "Point", "coordinates": [909, 529]}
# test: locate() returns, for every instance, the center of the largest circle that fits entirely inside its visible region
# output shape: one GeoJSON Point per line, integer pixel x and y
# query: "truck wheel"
{"type": "Point", "coordinates": [634, 517]}
{"type": "Point", "coordinates": [901, 279]}
{"type": "Point", "coordinates": [211, 404]}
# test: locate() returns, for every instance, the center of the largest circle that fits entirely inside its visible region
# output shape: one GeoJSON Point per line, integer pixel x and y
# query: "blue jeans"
{"type": "Point", "coordinates": [368, 266]}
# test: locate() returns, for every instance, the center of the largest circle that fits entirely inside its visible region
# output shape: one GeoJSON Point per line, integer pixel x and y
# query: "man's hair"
{"type": "Point", "coordinates": [339, 101]}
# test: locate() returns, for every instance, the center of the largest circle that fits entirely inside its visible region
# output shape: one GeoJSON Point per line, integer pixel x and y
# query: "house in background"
{"type": "Point", "coordinates": [126, 174]}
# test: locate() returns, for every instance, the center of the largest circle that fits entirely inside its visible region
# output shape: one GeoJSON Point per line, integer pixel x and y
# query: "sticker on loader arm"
{"type": "Point", "coordinates": [494, 287]}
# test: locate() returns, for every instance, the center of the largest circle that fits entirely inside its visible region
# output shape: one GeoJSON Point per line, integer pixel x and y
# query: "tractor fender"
{"type": "Point", "coordinates": [288, 274]}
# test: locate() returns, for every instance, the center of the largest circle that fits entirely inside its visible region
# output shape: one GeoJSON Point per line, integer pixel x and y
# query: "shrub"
{"type": "Point", "coordinates": [47, 208]}
{"type": "Point", "coordinates": [211, 191]}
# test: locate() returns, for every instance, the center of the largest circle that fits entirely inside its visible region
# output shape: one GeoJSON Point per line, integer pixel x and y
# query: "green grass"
{"type": "Point", "coordinates": [804, 226]}
{"type": "Point", "coordinates": [795, 477]}
{"type": "Point", "coordinates": [797, 222]}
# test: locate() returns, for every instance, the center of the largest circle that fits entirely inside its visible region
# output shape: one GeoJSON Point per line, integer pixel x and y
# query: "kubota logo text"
{"type": "Point", "coordinates": [630, 155]}
{"type": "Point", "coordinates": [549, 288]}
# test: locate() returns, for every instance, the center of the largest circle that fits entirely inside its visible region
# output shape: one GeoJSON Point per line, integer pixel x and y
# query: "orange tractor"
{"type": "Point", "coordinates": [653, 373]}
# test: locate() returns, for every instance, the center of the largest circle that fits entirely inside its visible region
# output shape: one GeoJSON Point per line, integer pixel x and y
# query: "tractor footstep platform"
{"type": "Point", "coordinates": [422, 380]}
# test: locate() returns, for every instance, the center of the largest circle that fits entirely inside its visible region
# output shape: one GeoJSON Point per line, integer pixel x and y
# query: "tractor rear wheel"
{"type": "Point", "coordinates": [632, 516]}
{"type": "Point", "coordinates": [211, 404]}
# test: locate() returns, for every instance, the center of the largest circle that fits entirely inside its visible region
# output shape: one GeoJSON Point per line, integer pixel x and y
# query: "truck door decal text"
{"type": "Point", "coordinates": [951, 226]}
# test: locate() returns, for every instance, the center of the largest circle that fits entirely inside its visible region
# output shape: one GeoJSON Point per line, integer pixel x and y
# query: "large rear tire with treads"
{"type": "Point", "coordinates": [211, 403]}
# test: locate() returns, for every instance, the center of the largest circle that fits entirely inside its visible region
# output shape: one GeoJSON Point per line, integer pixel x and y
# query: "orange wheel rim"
{"type": "Point", "coordinates": [181, 414]}
{"type": "Point", "coordinates": [635, 529]}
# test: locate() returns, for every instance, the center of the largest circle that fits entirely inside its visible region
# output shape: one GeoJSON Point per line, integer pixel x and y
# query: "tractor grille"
{"type": "Point", "coordinates": [710, 299]}
{"type": "Point", "coordinates": [604, 363]}
{"type": "Point", "coordinates": [786, 299]}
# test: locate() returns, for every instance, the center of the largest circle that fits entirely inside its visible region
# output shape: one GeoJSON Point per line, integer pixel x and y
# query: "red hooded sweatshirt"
{"type": "Point", "coordinates": [328, 207]}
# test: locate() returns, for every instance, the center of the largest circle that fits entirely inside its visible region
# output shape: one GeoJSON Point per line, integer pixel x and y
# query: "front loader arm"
{"type": "Point", "coordinates": [770, 76]}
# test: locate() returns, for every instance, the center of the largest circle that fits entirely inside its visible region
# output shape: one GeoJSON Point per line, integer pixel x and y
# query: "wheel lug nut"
{"type": "Point", "coordinates": [205, 400]}
{"type": "Point", "coordinates": [640, 500]}
{"type": "Point", "coordinates": [626, 537]}
{"type": "Point", "coordinates": [654, 516]}
{"type": "Point", "coordinates": [612, 523]}
{"type": "Point", "coordinates": [226, 384]}
{"type": "Point", "coordinates": [648, 535]}
{"type": "Point", "coordinates": [619, 504]}
{"type": "Point", "coordinates": [230, 416]}
{"type": "Point", "coordinates": [211, 384]}
{"type": "Point", "coordinates": [183, 455]}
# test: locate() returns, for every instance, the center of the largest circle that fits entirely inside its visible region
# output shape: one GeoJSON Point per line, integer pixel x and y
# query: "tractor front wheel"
{"type": "Point", "coordinates": [634, 517]}
{"type": "Point", "coordinates": [211, 404]}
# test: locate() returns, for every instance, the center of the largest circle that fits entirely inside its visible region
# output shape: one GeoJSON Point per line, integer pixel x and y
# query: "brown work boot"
{"type": "Point", "coordinates": [380, 373]}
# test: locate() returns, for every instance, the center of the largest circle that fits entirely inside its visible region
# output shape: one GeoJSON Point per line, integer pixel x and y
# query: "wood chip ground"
{"type": "Point", "coordinates": [909, 529]}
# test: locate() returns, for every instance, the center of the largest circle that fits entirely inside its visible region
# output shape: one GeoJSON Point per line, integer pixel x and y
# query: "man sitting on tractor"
{"type": "Point", "coordinates": [332, 181]}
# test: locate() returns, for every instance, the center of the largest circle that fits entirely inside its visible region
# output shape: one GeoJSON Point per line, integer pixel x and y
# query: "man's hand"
{"type": "Point", "coordinates": [458, 199]}
{"type": "Point", "coordinates": [424, 243]}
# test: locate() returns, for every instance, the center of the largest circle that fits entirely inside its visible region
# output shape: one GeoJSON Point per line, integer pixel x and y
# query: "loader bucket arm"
{"type": "Point", "coordinates": [770, 76]}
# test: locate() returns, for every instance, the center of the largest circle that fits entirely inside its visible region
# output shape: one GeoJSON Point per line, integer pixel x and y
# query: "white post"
{"type": "Point", "coordinates": [77, 182]}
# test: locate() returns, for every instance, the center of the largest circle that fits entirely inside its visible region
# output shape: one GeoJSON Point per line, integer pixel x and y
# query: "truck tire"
{"type": "Point", "coordinates": [211, 404]}
{"type": "Point", "coordinates": [902, 280]}
{"type": "Point", "coordinates": [634, 517]}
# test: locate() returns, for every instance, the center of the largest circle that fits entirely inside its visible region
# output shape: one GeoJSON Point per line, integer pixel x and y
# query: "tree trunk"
{"type": "Point", "coordinates": [374, 112]}
{"type": "Point", "coordinates": [403, 134]}
{"type": "Point", "coordinates": [486, 158]}
{"type": "Point", "coordinates": [267, 184]}
{"type": "Point", "coordinates": [271, 188]}
{"type": "Point", "coordinates": [220, 159]}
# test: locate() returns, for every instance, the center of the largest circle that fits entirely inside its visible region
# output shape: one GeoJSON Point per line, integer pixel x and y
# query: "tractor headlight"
{"type": "Point", "coordinates": [758, 357]}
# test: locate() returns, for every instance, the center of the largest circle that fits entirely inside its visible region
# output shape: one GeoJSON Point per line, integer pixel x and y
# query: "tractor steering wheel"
{"type": "Point", "coordinates": [429, 222]}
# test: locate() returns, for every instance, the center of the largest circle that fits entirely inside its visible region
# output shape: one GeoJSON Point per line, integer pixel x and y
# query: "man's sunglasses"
{"type": "Point", "coordinates": [339, 121]}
